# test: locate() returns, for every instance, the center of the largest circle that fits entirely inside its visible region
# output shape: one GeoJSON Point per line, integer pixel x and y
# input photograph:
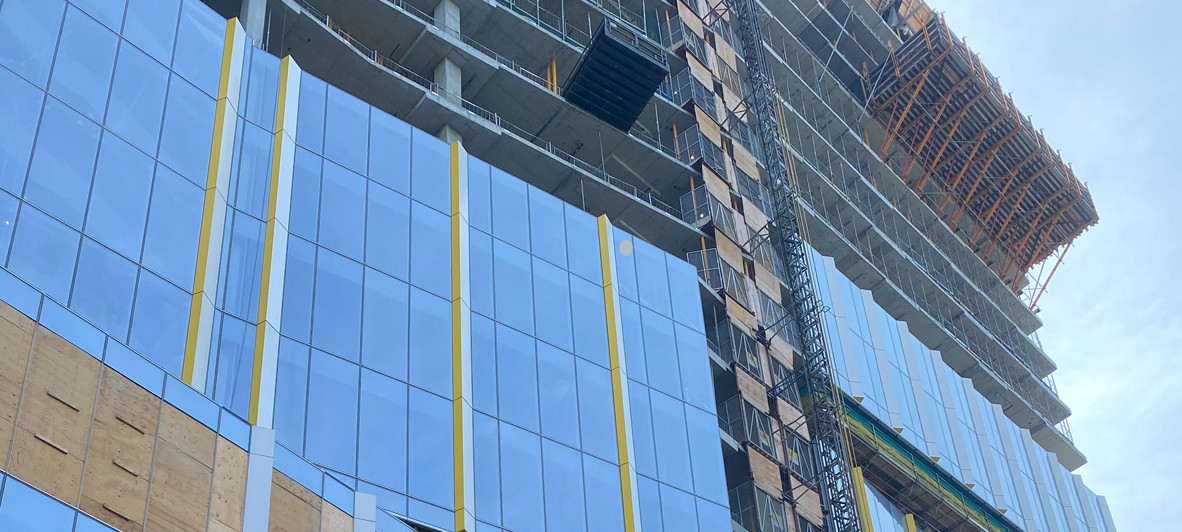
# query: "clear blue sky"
{"type": "Point", "coordinates": [1104, 80]}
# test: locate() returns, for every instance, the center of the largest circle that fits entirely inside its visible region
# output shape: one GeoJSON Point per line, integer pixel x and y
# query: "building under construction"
{"type": "Point", "coordinates": [525, 265]}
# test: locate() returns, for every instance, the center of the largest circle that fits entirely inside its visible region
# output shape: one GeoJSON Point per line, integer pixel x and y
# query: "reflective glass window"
{"type": "Point", "coordinates": [136, 106]}
{"type": "Point", "coordinates": [342, 211]}
{"type": "Point", "coordinates": [385, 318]}
{"type": "Point", "coordinates": [687, 305]}
{"type": "Point", "coordinates": [649, 493]}
{"type": "Point", "coordinates": [430, 342]}
{"type": "Point", "coordinates": [597, 421]}
{"type": "Point", "coordinates": [235, 363]}
{"type": "Point", "coordinates": [18, 127]}
{"type": "Point", "coordinates": [242, 265]}
{"type": "Point", "coordinates": [151, 25]}
{"type": "Point", "coordinates": [8, 207]}
{"type": "Point", "coordinates": [298, 280]}
{"type": "Point", "coordinates": [517, 378]}
{"type": "Point", "coordinates": [484, 365]}
{"type": "Point", "coordinates": [645, 454]}
{"type": "Point", "coordinates": [87, 523]}
{"type": "Point", "coordinates": [514, 287]}
{"type": "Point", "coordinates": [387, 231]}
{"type": "Point", "coordinates": [696, 382]}
{"type": "Point", "coordinates": [589, 319]}
{"type": "Point", "coordinates": [582, 236]}
{"type": "Point", "coordinates": [25, 508]}
{"type": "Point", "coordinates": [389, 157]}
{"type": "Point", "coordinates": [63, 163]}
{"type": "Point", "coordinates": [510, 209]}
{"type": "Point", "coordinates": [43, 252]}
{"type": "Point", "coordinates": [633, 335]}
{"type": "Point", "coordinates": [82, 70]}
{"type": "Point", "coordinates": [332, 412]}
{"type": "Point", "coordinates": [521, 479]}
{"type": "Point", "coordinates": [547, 227]}
{"type": "Point", "coordinates": [430, 254]}
{"type": "Point", "coordinates": [261, 92]}
{"type": "Point", "coordinates": [310, 130]}
{"type": "Point", "coordinates": [430, 471]}
{"type": "Point", "coordinates": [601, 483]}
{"type": "Point", "coordinates": [336, 308]}
{"type": "Point", "coordinates": [487, 465]}
{"type": "Point", "coordinates": [305, 194]}
{"type": "Point", "coordinates": [28, 35]}
{"type": "Point", "coordinates": [709, 478]}
{"type": "Point", "coordinates": [677, 510]}
{"type": "Point", "coordinates": [252, 176]}
{"type": "Point", "coordinates": [187, 133]}
{"type": "Point", "coordinates": [103, 288]}
{"type": "Point", "coordinates": [479, 195]}
{"type": "Point", "coordinates": [660, 353]}
{"type": "Point", "coordinates": [382, 436]}
{"type": "Point", "coordinates": [712, 516]}
{"type": "Point", "coordinates": [480, 270]}
{"type": "Point", "coordinates": [563, 475]}
{"type": "Point", "coordinates": [199, 40]}
{"type": "Point", "coordinates": [291, 393]}
{"type": "Point", "coordinates": [626, 264]}
{"type": "Point", "coordinates": [109, 12]}
{"type": "Point", "coordinates": [430, 171]}
{"type": "Point", "coordinates": [672, 442]}
{"type": "Point", "coordinates": [119, 202]}
{"type": "Point", "coordinates": [346, 137]}
{"type": "Point", "coordinates": [159, 322]}
{"type": "Point", "coordinates": [552, 304]}
{"type": "Point", "coordinates": [134, 367]}
{"type": "Point", "coordinates": [557, 395]}
{"type": "Point", "coordinates": [652, 277]}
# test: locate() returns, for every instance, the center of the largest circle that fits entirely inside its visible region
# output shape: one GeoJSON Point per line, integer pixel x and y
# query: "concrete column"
{"type": "Point", "coordinates": [448, 135]}
{"type": "Point", "coordinates": [447, 15]}
{"type": "Point", "coordinates": [259, 468]}
{"type": "Point", "coordinates": [448, 80]}
{"type": "Point", "coordinates": [254, 17]}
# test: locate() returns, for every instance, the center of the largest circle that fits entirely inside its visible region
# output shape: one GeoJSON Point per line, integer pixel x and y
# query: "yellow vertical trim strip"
{"type": "Point", "coordinates": [615, 346]}
{"type": "Point", "coordinates": [909, 523]}
{"type": "Point", "coordinates": [211, 181]}
{"type": "Point", "coordinates": [860, 498]}
{"type": "Point", "coordinates": [461, 363]}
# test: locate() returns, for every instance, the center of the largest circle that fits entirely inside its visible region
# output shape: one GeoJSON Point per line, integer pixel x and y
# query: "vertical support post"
{"type": "Point", "coordinates": [213, 216]}
{"type": "Point", "coordinates": [615, 343]}
{"type": "Point", "coordinates": [259, 471]}
{"type": "Point", "coordinates": [861, 499]}
{"type": "Point", "coordinates": [461, 344]}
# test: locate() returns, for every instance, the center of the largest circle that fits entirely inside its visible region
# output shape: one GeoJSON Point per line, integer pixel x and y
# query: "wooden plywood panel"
{"type": "Point", "coordinates": [16, 342]}
{"type": "Point", "coordinates": [766, 473]}
{"type": "Point", "coordinates": [229, 485]}
{"type": "Point", "coordinates": [125, 422]}
{"type": "Point", "coordinates": [291, 510]}
{"type": "Point", "coordinates": [808, 504]}
{"type": "Point", "coordinates": [753, 390]}
{"type": "Point", "coordinates": [295, 488]}
{"type": "Point", "coordinates": [60, 393]}
{"type": "Point", "coordinates": [180, 490]}
{"type": "Point", "coordinates": [114, 493]}
{"type": "Point", "coordinates": [187, 434]}
{"type": "Point", "coordinates": [44, 465]}
{"type": "Point", "coordinates": [333, 519]}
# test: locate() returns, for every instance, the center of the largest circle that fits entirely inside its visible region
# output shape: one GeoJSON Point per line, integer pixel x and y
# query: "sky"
{"type": "Point", "coordinates": [1103, 79]}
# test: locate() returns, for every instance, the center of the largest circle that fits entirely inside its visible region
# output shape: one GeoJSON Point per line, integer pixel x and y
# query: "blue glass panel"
{"type": "Point", "coordinates": [387, 231]}
{"type": "Point", "coordinates": [342, 211]}
{"type": "Point", "coordinates": [136, 107]}
{"type": "Point", "coordinates": [87, 523]}
{"type": "Point", "coordinates": [660, 353]}
{"type": "Point", "coordinates": [346, 130]}
{"type": "Point", "coordinates": [199, 42]}
{"type": "Point", "coordinates": [480, 268]}
{"type": "Point", "coordinates": [187, 133]}
{"type": "Point", "coordinates": [439, 518]}
{"type": "Point", "coordinates": [385, 319]}
{"type": "Point", "coordinates": [134, 367]}
{"type": "Point", "coordinates": [563, 474]}
{"type": "Point", "coordinates": [517, 378]}
{"type": "Point", "coordinates": [25, 508]}
{"type": "Point", "coordinates": [63, 163]}
{"type": "Point", "coordinates": [252, 176]}
{"type": "Point", "coordinates": [235, 363]}
{"type": "Point", "coordinates": [430, 450]}
{"type": "Point", "coordinates": [310, 130]}
{"type": "Point", "coordinates": [590, 320]}
{"type": "Point", "coordinates": [43, 252]}
{"type": "Point", "coordinates": [582, 235]}
{"type": "Point", "coordinates": [8, 208]}
{"type": "Point", "coordinates": [151, 25]}
{"type": "Point", "coordinates": [305, 194]}
{"type": "Point", "coordinates": [510, 209]}
{"type": "Point", "coordinates": [547, 227]}
{"type": "Point", "coordinates": [159, 322]}
{"type": "Point", "coordinates": [387, 500]}
{"type": "Point", "coordinates": [191, 402]}
{"type": "Point", "coordinates": [683, 284]}
{"type": "Point", "coordinates": [242, 265]}
{"type": "Point", "coordinates": [389, 160]}
{"type": "Point", "coordinates": [649, 493]}
{"type": "Point", "coordinates": [430, 342]}
{"type": "Point", "coordinates": [626, 264]}
{"type": "Point", "coordinates": [484, 365]}
{"type": "Point", "coordinates": [109, 12]}
{"type": "Point", "coordinates": [487, 468]}
{"type": "Point", "coordinates": [633, 340]}
{"type": "Point", "coordinates": [338, 494]}
{"type": "Point", "coordinates": [119, 202]}
{"type": "Point", "coordinates": [72, 328]}
{"type": "Point", "coordinates": [514, 289]}
{"type": "Point", "coordinates": [28, 35]}
{"type": "Point", "coordinates": [672, 442]}
{"type": "Point", "coordinates": [552, 301]}
{"type": "Point", "coordinates": [298, 469]}
{"type": "Point", "coordinates": [712, 516]}
{"type": "Point", "coordinates": [19, 294]}
{"type": "Point", "coordinates": [696, 382]}
{"type": "Point", "coordinates": [430, 256]}
{"type": "Point", "coordinates": [601, 483]}
{"type": "Point", "coordinates": [337, 305]}
{"type": "Point", "coordinates": [82, 70]}
{"type": "Point", "coordinates": [557, 395]}
{"type": "Point", "coordinates": [382, 454]}
{"type": "Point", "coordinates": [677, 510]}
{"type": "Point", "coordinates": [597, 421]}
{"type": "Point", "coordinates": [298, 280]}
{"type": "Point", "coordinates": [261, 93]}
{"type": "Point", "coordinates": [332, 412]}
{"type": "Point", "coordinates": [430, 171]}
{"type": "Point", "coordinates": [479, 195]}
{"type": "Point", "coordinates": [18, 126]}
{"type": "Point", "coordinates": [103, 288]}
{"type": "Point", "coordinates": [521, 479]}
{"type": "Point", "coordinates": [291, 391]}
{"type": "Point", "coordinates": [645, 458]}
{"type": "Point", "coordinates": [709, 478]}
{"type": "Point", "coordinates": [652, 277]}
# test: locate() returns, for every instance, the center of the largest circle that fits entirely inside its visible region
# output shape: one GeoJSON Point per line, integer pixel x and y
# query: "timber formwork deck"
{"type": "Point", "coordinates": [973, 157]}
